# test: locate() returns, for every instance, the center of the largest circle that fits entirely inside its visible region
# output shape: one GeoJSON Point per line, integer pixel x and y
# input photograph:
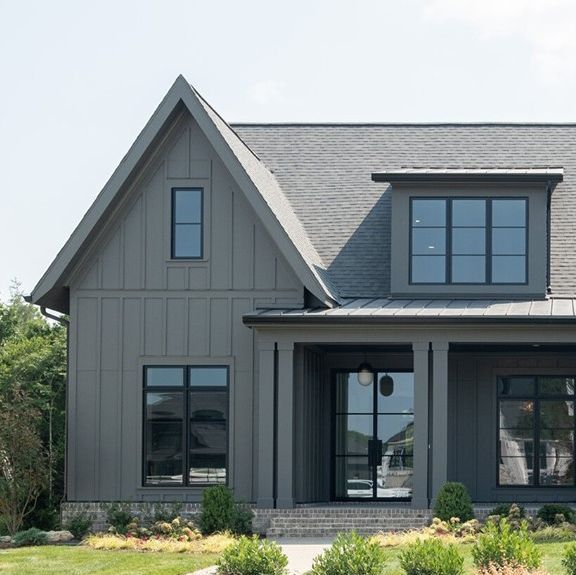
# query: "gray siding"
{"type": "Point", "coordinates": [473, 417]}
{"type": "Point", "coordinates": [131, 306]}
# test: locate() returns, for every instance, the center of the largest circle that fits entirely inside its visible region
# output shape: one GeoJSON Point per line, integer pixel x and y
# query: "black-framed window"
{"type": "Point", "coordinates": [468, 240]}
{"type": "Point", "coordinates": [185, 425]}
{"type": "Point", "coordinates": [536, 427]}
{"type": "Point", "coordinates": [187, 223]}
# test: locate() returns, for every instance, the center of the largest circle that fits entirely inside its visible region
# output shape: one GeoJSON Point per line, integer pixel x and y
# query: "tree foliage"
{"type": "Point", "coordinates": [32, 383]}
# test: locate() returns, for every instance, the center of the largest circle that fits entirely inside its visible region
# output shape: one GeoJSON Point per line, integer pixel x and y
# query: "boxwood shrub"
{"type": "Point", "coordinates": [453, 501]}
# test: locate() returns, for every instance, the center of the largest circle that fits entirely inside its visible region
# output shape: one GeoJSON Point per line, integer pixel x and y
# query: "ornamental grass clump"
{"type": "Point", "coordinates": [351, 554]}
{"type": "Point", "coordinates": [252, 556]}
{"type": "Point", "coordinates": [432, 557]}
{"type": "Point", "coordinates": [501, 544]}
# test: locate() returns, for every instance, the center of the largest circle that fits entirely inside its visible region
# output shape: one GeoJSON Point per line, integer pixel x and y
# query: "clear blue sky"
{"type": "Point", "coordinates": [79, 80]}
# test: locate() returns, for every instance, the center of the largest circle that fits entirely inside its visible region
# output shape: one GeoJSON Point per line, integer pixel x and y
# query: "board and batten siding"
{"type": "Point", "coordinates": [131, 305]}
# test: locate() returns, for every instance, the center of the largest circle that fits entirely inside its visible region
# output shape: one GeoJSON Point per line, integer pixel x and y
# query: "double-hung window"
{"type": "Point", "coordinates": [536, 426]}
{"type": "Point", "coordinates": [468, 240]}
{"type": "Point", "coordinates": [185, 425]}
{"type": "Point", "coordinates": [187, 223]}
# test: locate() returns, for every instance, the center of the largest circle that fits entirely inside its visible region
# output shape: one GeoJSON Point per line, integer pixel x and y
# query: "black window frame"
{"type": "Point", "coordinates": [537, 399]}
{"type": "Point", "coordinates": [488, 255]}
{"type": "Point", "coordinates": [185, 389]}
{"type": "Point", "coordinates": [174, 224]}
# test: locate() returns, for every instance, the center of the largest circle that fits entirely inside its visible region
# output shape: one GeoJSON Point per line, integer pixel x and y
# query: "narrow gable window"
{"type": "Point", "coordinates": [468, 241]}
{"type": "Point", "coordinates": [187, 223]}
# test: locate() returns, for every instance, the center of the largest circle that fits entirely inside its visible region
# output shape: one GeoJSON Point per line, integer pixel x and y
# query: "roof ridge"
{"type": "Point", "coordinates": [403, 124]}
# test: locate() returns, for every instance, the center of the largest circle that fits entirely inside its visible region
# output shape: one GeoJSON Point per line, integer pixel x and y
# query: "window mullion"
{"type": "Point", "coordinates": [489, 241]}
{"type": "Point", "coordinates": [537, 440]}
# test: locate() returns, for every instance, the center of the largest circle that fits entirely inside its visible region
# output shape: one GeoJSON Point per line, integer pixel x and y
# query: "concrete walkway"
{"type": "Point", "coordinates": [300, 553]}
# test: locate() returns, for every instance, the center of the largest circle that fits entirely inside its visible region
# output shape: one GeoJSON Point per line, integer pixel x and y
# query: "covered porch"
{"type": "Point", "coordinates": [324, 438]}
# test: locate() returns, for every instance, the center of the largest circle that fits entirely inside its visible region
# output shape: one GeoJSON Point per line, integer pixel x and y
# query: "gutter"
{"type": "Point", "coordinates": [417, 320]}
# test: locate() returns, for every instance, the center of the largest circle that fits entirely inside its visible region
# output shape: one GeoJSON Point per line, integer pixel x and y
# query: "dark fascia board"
{"type": "Point", "coordinates": [256, 320]}
{"type": "Point", "coordinates": [416, 177]}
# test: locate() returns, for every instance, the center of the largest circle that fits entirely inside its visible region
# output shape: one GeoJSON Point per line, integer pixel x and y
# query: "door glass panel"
{"type": "Point", "coordinates": [397, 396]}
{"type": "Point", "coordinates": [353, 433]}
{"type": "Point", "coordinates": [351, 397]}
{"type": "Point", "coordinates": [394, 477]}
{"type": "Point", "coordinates": [353, 478]}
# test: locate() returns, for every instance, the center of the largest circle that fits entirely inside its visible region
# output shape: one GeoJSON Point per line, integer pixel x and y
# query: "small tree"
{"type": "Point", "coordinates": [23, 461]}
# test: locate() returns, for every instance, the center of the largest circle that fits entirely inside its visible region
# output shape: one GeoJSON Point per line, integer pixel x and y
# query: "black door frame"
{"type": "Point", "coordinates": [333, 457]}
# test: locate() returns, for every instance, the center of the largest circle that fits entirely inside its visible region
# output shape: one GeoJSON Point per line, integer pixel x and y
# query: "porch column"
{"type": "Point", "coordinates": [285, 455]}
{"type": "Point", "coordinates": [421, 440]}
{"type": "Point", "coordinates": [439, 415]}
{"type": "Point", "coordinates": [265, 497]}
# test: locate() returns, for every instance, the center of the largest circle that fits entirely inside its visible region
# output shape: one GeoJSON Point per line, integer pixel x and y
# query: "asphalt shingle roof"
{"type": "Point", "coordinates": [325, 172]}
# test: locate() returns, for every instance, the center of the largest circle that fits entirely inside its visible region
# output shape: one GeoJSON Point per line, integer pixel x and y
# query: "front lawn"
{"type": "Point", "coordinates": [76, 560]}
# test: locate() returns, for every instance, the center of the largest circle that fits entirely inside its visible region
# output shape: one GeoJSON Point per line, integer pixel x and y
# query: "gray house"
{"type": "Point", "coordinates": [322, 313]}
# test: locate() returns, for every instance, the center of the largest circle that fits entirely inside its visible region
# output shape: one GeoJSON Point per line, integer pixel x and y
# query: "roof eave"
{"type": "Point", "coordinates": [402, 177]}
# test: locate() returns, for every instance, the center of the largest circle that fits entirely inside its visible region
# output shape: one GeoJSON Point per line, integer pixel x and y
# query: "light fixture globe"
{"type": "Point", "coordinates": [365, 374]}
{"type": "Point", "coordinates": [386, 384]}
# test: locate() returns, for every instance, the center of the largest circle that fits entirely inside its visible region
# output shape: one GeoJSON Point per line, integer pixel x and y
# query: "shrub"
{"type": "Point", "coordinates": [503, 510]}
{"type": "Point", "coordinates": [494, 569]}
{"type": "Point", "coordinates": [221, 513]}
{"type": "Point", "coordinates": [79, 524]}
{"type": "Point", "coordinates": [502, 545]}
{"type": "Point", "coordinates": [250, 556]}
{"type": "Point", "coordinates": [569, 559]}
{"type": "Point", "coordinates": [551, 512]}
{"type": "Point", "coordinates": [431, 557]}
{"type": "Point", "coordinates": [350, 554]}
{"type": "Point", "coordinates": [453, 501]}
{"type": "Point", "coordinates": [118, 517]}
{"type": "Point", "coordinates": [31, 536]}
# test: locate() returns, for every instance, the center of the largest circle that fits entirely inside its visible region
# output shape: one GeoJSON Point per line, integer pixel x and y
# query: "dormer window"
{"type": "Point", "coordinates": [457, 240]}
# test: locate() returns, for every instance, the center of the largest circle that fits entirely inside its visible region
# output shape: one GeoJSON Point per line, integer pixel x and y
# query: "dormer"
{"type": "Point", "coordinates": [470, 232]}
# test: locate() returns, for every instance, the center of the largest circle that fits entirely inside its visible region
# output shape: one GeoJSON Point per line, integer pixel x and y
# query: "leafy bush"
{"type": "Point", "coordinates": [79, 524]}
{"type": "Point", "coordinates": [241, 522]}
{"type": "Point", "coordinates": [569, 559]}
{"type": "Point", "coordinates": [453, 501]}
{"type": "Point", "coordinates": [350, 554]}
{"type": "Point", "coordinates": [431, 557]}
{"type": "Point", "coordinates": [503, 510]}
{"type": "Point", "coordinates": [503, 545]}
{"type": "Point", "coordinates": [118, 517]}
{"type": "Point", "coordinates": [250, 556]}
{"type": "Point", "coordinates": [31, 536]}
{"type": "Point", "coordinates": [551, 512]}
{"type": "Point", "coordinates": [494, 569]}
{"type": "Point", "coordinates": [221, 513]}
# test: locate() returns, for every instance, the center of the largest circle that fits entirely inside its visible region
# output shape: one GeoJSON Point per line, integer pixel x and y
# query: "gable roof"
{"type": "Point", "coordinates": [258, 183]}
{"type": "Point", "coordinates": [326, 172]}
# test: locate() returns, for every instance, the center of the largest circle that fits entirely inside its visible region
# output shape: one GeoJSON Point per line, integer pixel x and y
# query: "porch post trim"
{"type": "Point", "coordinates": [440, 415]}
{"type": "Point", "coordinates": [420, 499]}
{"type": "Point", "coordinates": [285, 463]}
{"type": "Point", "coordinates": [265, 495]}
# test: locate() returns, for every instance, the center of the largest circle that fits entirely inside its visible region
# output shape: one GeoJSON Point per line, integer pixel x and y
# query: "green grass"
{"type": "Point", "coordinates": [71, 560]}
{"type": "Point", "coordinates": [551, 560]}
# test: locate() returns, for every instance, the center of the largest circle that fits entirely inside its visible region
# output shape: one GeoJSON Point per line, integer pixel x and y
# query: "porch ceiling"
{"type": "Point", "coordinates": [384, 310]}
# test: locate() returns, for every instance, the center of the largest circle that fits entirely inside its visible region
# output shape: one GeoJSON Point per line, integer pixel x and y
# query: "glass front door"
{"type": "Point", "coordinates": [373, 436]}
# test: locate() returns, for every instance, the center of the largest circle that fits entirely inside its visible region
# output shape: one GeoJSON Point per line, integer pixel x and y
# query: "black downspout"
{"type": "Point", "coordinates": [66, 323]}
{"type": "Point", "coordinates": [275, 431]}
